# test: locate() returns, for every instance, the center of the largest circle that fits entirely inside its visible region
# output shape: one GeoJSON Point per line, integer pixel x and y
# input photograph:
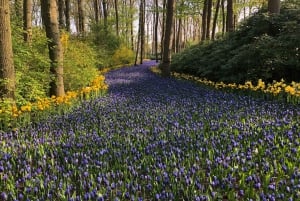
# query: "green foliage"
{"type": "Point", "coordinates": [264, 46]}
{"type": "Point", "coordinates": [80, 65]}
{"type": "Point", "coordinates": [32, 65]}
{"type": "Point", "coordinates": [123, 55]}
{"type": "Point", "coordinates": [110, 48]}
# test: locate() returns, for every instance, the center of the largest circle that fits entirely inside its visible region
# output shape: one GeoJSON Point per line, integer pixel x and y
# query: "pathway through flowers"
{"type": "Point", "coordinates": [153, 138]}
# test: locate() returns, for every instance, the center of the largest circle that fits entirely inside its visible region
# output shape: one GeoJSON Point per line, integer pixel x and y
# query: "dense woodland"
{"type": "Point", "coordinates": [77, 124]}
{"type": "Point", "coordinates": [50, 47]}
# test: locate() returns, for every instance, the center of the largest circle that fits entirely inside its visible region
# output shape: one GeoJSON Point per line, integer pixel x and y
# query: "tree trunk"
{"type": "Point", "coordinates": [142, 29]}
{"type": "Point", "coordinates": [274, 6]}
{"type": "Point", "coordinates": [166, 59]}
{"type": "Point", "coordinates": [223, 17]}
{"type": "Point", "coordinates": [61, 15]}
{"type": "Point", "coordinates": [50, 19]}
{"type": "Point", "coordinates": [209, 6]}
{"type": "Point", "coordinates": [81, 28]}
{"type": "Point", "coordinates": [156, 30]}
{"type": "Point", "coordinates": [163, 27]}
{"type": "Point", "coordinates": [204, 20]}
{"type": "Point", "coordinates": [7, 70]}
{"type": "Point", "coordinates": [179, 35]}
{"type": "Point", "coordinates": [215, 20]}
{"type": "Point", "coordinates": [131, 25]}
{"type": "Point", "coordinates": [67, 15]}
{"type": "Point", "coordinates": [229, 24]}
{"type": "Point", "coordinates": [137, 45]}
{"type": "Point", "coordinates": [27, 20]}
{"type": "Point", "coordinates": [105, 15]}
{"type": "Point", "coordinates": [96, 10]}
{"type": "Point", "coordinates": [117, 17]}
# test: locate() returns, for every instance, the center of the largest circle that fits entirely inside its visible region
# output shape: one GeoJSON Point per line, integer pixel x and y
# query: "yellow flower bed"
{"type": "Point", "coordinates": [279, 89]}
{"type": "Point", "coordinates": [10, 112]}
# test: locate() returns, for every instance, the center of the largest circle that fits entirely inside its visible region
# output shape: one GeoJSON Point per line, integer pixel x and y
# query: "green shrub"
{"type": "Point", "coordinates": [264, 47]}
{"type": "Point", "coordinates": [123, 55]}
{"type": "Point", "coordinates": [80, 65]}
{"type": "Point", "coordinates": [32, 65]}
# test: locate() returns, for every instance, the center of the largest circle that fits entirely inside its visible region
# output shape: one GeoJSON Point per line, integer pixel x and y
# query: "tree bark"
{"type": "Point", "coordinates": [166, 59]}
{"type": "Point", "coordinates": [117, 17]}
{"type": "Point", "coordinates": [156, 30]}
{"type": "Point", "coordinates": [61, 14]}
{"type": "Point", "coordinates": [67, 15]}
{"type": "Point", "coordinates": [50, 19]}
{"type": "Point", "coordinates": [229, 23]}
{"type": "Point", "coordinates": [209, 6]}
{"type": "Point", "coordinates": [204, 20]}
{"type": "Point", "coordinates": [7, 70]}
{"type": "Point", "coordinates": [81, 27]}
{"type": "Point", "coordinates": [223, 17]}
{"type": "Point", "coordinates": [27, 20]}
{"type": "Point", "coordinates": [131, 25]}
{"type": "Point", "coordinates": [96, 11]}
{"type": "Point", "coordinates": [142, 29]}
{"type": "Point", "coordinates": [274, 6]}
{"type": "Point", "coordinates": [163, 27]}
{"type": "Point", "coordinates": [105, 14]}
{"type": "Point", "coordinates": [215, 20]}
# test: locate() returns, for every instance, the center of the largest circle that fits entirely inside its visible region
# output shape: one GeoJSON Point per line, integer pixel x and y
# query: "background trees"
{"type": "Point", "coordinates": [109, 31]}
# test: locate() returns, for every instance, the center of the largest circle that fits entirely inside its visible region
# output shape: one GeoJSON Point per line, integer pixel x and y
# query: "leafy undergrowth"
{"type": "Point", "coordinates": [152, 138]}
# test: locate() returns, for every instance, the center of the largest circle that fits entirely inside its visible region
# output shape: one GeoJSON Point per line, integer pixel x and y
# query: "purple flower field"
{"type": "Point", "coordinates": [153, 138]}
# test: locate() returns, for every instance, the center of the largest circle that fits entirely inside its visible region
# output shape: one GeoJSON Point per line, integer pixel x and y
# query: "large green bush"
{"type": "Point", "coordinates": [80, 64]}
{"type": "Point", "coordinates": [264, 46]}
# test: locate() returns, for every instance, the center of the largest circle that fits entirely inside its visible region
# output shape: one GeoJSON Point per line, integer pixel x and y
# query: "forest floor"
{"type": "Point", "coordinates": [154, 138]}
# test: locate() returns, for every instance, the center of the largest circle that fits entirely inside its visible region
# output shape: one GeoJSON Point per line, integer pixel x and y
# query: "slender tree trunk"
{"type": "Point", "coordinates": [61, 14]}
{"type": "Point", "coordinates": [27, 20]}
{"type": "Point", "coordinates": [156, 30]}
{"type": "Point", "coordinates": [274, 6]}
{"type": "Point", "coordinates": [166, 59]}
{"type": "Point", "coordinates": [7, 70]}
{"type": "Point", "coordinates": [67, 15]}
{"type": "Point", "coordinates": [96, 10]}
{"type": "Point", "coordinates": [105, 14]}
{"type": "Point", "coordinates": [117, 17]}
{"type": "Point", "coordinates": [163, 27]}
{"type": "Point", "coordinates": [223, 17]}
{"type": "Point", "coordinates": [229, 24]}
{"type": "Point", "coordinates": [142, 25]}
{"type": "Point", "coordinates": [137, 46]}
{"type": "Point", "coordinates": [50, 19]}
{"type": "Point", "coordinates": [179, 36]}
{"type": "Point", "coordinates": [208, 21]}
{"type": "Point", "coordinates": [215, 20]}
{"type": "Point", "coordinates": [131, 24]}
{"type": "Point", "coordinates": [80, 17]}
{"type": "Point", "coordinates": [204, 20]}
